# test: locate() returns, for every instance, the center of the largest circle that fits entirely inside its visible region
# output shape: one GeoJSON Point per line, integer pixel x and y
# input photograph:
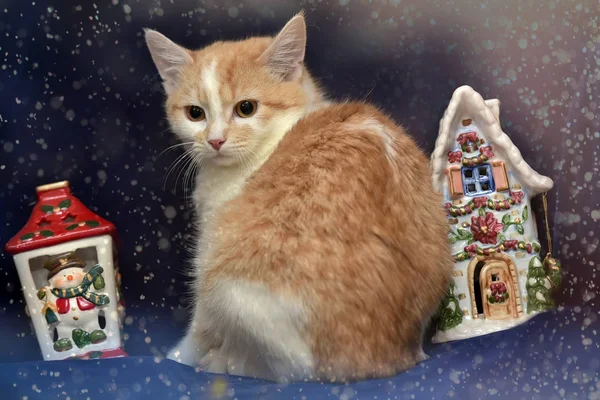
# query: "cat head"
{"type": "Point", "coordinates": [234, 100]}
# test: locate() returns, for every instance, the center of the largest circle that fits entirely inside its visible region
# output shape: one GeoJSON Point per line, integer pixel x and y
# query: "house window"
{"type": "Point", "coordinates": [478, 180]}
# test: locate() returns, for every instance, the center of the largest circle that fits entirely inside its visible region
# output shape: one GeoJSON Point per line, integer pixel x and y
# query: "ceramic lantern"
{"type": "Point", "coordinates": [499, 278]}
{"type": "Point", "coordinates": [66, 259]}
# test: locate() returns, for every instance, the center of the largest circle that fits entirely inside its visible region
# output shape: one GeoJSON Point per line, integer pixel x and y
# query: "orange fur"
{"type": "Point", "coordinates": [361, 240]}
{"type": "Point", "coordinates": [326, 212]}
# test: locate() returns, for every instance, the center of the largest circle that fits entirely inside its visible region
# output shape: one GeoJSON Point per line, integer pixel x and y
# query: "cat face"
{"type": "Point", "coordinates": [231, 100]}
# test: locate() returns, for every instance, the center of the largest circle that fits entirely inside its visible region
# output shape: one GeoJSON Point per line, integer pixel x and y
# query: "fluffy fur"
{"type": "Point", "coordinates": [323, 250]}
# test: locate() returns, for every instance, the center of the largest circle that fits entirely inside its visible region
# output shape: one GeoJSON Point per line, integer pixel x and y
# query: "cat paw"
{"type": "Point", "coordinates": [175, 355]}
{"type": "Point", "coordinates": [422, 357]}
{"type": "Point", "coordinates": [214, 361]}
{"type": "Point", "coordinates": [185, 352]}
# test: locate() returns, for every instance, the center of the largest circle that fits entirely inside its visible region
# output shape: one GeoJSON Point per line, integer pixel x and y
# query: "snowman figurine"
{"type": "Point", "coordinates": [69, 303]}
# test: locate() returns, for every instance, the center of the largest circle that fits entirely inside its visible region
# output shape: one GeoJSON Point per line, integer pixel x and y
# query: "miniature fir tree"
{"type": "Point", "coordinates": [449, 314]}
{"type": "Point", "coordinates": [540, 285]}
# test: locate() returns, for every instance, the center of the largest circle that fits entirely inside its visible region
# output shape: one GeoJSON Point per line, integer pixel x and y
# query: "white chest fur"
{"type": "Point", "coordinates": [217, 185]}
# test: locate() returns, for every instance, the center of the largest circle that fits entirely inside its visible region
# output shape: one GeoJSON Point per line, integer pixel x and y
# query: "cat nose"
{"type": "Point", "coordinates": [216, 143]}
{"type": "Point", "coordinates": [70, 277]}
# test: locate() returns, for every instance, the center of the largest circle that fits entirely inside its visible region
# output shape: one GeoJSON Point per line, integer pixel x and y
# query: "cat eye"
{"type": "Point", "coordinates": [245, 108]}
{"type": "Point", "coordinates": [195, 113]}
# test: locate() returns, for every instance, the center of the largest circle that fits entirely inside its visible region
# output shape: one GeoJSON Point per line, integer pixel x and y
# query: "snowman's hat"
{"type": "Point", "coordinates": [58, 262]}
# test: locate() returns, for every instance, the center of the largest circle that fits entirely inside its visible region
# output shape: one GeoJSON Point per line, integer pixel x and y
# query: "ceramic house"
{"type": "Point", "coordinates": [66, 258]}
{"type": "Point", "coordinates": [487, 187]}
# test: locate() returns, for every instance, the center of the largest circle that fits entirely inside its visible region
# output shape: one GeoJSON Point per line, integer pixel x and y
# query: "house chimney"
{"type": "Point", "coordinates": [53, 190]}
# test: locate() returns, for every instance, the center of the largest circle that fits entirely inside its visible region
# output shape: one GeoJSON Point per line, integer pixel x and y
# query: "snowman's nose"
{"type": "Point", "coordinates": [69, 277]}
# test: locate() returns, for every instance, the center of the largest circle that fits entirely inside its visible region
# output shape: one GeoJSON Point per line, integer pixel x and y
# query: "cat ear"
{"type": "Point", "coordinates": [168, 57]}
{"type": "Point", "coordinates": [285, 56]}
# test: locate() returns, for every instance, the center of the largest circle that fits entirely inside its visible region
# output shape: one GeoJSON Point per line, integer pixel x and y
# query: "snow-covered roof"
{"type": "Point", "coordinates": [467, 103]}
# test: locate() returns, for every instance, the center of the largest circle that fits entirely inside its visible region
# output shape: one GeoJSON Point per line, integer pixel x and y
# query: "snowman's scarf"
{"type": "Point", "coordinates": [82, 289]}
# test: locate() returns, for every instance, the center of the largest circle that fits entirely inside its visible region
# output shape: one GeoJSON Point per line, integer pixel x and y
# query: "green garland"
{"type": "Point", "coordinates": [475, 160]}
{"type": "Point", "coordinates": [469, 148]}
{"type": "Point", "coordinates": [460, 234]}
{"type": "Point", "coordinates": [459, 211]}
{"type": "Point", "coordinates": [472, 249]}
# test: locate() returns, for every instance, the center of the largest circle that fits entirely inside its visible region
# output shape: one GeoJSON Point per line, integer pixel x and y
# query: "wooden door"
{"type": "Point", "coordinates": [497, 293]}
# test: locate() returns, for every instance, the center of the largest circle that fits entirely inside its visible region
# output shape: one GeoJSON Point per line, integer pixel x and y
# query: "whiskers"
{"type": "Point", "coordinates": [190, 174]}
{"type": "Point", "coordinates": [174, 146]}
{"type": "Point", "coordinates": [187, 164]}
{"type": "Point", "coordinates": [246, 158]}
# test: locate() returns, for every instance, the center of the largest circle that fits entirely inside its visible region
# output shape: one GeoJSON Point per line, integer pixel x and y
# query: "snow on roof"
{"type": "Point", "coordinates": [467, 103]}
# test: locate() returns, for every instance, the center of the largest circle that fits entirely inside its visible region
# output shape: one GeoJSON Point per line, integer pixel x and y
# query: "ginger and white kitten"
{"type": "Point", "coordinates": [323, 251]}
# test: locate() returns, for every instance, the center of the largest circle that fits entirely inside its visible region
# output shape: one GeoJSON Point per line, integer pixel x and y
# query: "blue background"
{"type": "Point", "coordinates": [81, 100]}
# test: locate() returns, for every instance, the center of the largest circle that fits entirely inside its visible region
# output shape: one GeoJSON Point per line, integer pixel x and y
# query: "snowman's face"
{"type": "Point", "coordinates": [67, 278]}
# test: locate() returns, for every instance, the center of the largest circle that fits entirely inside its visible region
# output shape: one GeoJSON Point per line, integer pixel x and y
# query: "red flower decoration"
{"type": "Point", "coordinates": [471, 249]}
{"type": "Point", "coordinates": [480, 201]}
{"type": "Point", "coordinates": [454, 156]}
{"type": "Point", "coordinates": [487, 151]}
{"type": "Point", "coordinates": [510, 244]}
{"type": "Point", "coordinates": [463, 138]}
{"type": "Point", "coordinates": [485, 229]}
{"type": "Point", "coordinates": [517, 197]}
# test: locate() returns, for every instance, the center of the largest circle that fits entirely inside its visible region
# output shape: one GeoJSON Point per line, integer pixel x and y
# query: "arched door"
{"type": "Point", "coordinates": [498, 297]}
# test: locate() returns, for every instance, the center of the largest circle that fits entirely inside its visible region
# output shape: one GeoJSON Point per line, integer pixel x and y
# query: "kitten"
{"type": "Point", "coordinates": [323, 251]}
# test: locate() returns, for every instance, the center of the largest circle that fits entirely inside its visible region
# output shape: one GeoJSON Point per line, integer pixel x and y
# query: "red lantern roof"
{"type": "Point", "coordinates": [58, 217]}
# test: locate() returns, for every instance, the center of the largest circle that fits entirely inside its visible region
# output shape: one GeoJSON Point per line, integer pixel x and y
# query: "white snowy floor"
{"type": "Point", "coordinates": [478, 327]}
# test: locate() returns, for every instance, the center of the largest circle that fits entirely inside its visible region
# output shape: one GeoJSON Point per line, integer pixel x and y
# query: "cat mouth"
{"type": "Point", "coordinates": [221, 158]}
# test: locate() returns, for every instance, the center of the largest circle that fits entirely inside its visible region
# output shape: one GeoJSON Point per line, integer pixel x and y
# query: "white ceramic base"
{"type": "Point", "coordinates": [33, 279]}
{"type": "Point", "coordinates": [478, 327]}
